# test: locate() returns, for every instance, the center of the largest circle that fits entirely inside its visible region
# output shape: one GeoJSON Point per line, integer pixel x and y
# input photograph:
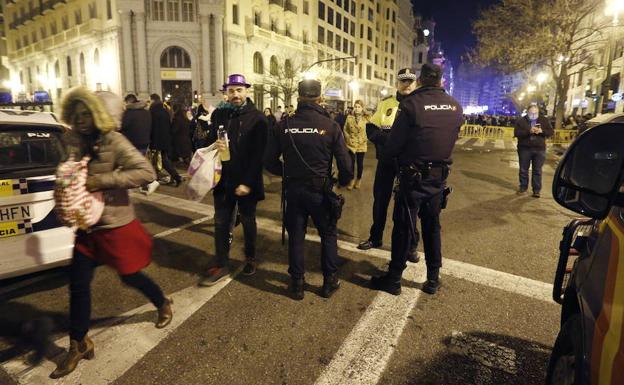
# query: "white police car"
{"type": "Point", "coordinates": [31, 238]}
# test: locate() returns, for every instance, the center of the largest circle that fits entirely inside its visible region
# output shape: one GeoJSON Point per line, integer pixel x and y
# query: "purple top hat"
{"type": "Point", "coordinates": [236, 80]}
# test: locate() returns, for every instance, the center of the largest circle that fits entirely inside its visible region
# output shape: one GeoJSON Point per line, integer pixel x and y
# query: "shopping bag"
{"type": "Point", "coordinates": [75, 206]}
{"type": "Point", "coordinates": [155, 159]}
{"type": "Point", "coordinates": [205, 172]}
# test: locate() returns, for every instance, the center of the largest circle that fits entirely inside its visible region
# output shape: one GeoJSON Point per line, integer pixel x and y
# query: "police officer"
{"type": "Point", "coordinates": [307, 141]}
{"type": "Point", "coordinates": [378, 131]}
{"type": "Point", "coordinates": [420, 143]}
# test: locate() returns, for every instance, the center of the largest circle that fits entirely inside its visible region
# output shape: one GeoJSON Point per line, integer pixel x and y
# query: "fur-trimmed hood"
{"type": "Point", "coordinates": [102, 119]}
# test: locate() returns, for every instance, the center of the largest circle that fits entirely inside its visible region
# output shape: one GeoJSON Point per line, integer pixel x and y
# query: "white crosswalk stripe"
{"type": "Point", "coordinates": [361, 359]}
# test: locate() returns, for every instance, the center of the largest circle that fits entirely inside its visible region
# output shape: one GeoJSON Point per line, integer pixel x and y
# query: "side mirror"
{"type": "Point", "coordinates": [589, 176]}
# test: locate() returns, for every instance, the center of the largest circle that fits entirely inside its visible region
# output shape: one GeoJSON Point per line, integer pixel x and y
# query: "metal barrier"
{"type": "Point", "coordinates": [475, 131]}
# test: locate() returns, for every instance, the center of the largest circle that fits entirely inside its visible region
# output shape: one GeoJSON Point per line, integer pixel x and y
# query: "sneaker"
{"type": "Point", "coordinates": [431, 286]}
{"type": "Point", "coordinates": [151, 187]}
{"type": "Point", "coordinates": [368, 244]}
{"type": "Point", "coordinates": [521, 190]}
{"type": "Point", "coordinates": [214, 276]}
{"type": "Point", "coordinates": [250, 267]}
{"type": "Point", "coordinates": [330, 285]}
{"type": "Point", "coordinates": [387, 284]}
{"type": "Point", "coordinates": [536, 194]}
{"type": "Point", "coordinates": [296, 289]}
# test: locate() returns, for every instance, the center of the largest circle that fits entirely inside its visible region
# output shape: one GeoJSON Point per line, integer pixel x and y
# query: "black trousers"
{"type": "Point", "coordinates": [427, 205]}
{"type": "Point", "coordinates": [168, 166]}
{"type": "Point", "coordinates": [359, 157]}
{"type": "Point", "coordinates": [225, 216]}
{"type": "Point", "coordinates": [382, 192]}
{"type": "Point", "coordinates": [80, 277]}
{"type": "Point", "coordinates": [302, 202]}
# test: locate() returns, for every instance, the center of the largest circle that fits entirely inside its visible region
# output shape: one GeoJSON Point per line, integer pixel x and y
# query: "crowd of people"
{"type": "Point", "coordinates": [413, 148]}
{"type": "Point", "coordinates": [571, 122]}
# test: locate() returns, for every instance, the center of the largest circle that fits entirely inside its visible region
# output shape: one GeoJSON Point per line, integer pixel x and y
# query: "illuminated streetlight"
{"type": "Point", "coordinates": [309, 75]}
{"type": "Point", "coordinates": [384, 92]}
{"type": "Point", "coordinates": [531, 88]}
{"type": "Point", "coordinates": [355, 86]}
{"type": "Point", "coordinates": [613, 8]}
{"type": "Point", "coordinates": [541, 77]}
{"type": "Point", "coordinates": [426, 32]}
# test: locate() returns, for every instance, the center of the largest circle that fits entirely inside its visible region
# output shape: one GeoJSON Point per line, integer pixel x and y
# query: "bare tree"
{"type": "Point", "coordinates": [561, 36]}
{"type": "Point", "coordinates": [284, 76]}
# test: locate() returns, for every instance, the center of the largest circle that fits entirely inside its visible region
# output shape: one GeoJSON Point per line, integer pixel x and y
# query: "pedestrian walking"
{"type": "Point", "coordinates": [180, 128]}
{"type": "Point", "coordinates": [355, 137]}
{"type": "Point", "coordinates": [118, 239]}
{"type": "Point", "coordinates": [241, 179]}
{"type": "Point", "coordinates": [378, 130]}
{"type": "Point", "coordinates": [532, 131]}
{"type": "Point", "coordinates": [136, 126]}
{"type": "Point", "coordinates": [161, 136]}
{"type": "Point", "coordinates": [420, 143]}
{"type": "Point", "coordinates": [308, 141]}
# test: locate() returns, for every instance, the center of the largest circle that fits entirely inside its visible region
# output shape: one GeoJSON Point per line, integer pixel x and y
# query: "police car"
{"type": "Point", "coordinates": [31, 238]}
{"type": "Point", "coordinates": [589, 283]}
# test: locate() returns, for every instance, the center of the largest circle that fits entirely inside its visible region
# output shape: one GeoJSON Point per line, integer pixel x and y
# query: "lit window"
{"type": "Point", "coordinates": [188, 13]}
{"type": "Point", "coordinates": [173, 10]}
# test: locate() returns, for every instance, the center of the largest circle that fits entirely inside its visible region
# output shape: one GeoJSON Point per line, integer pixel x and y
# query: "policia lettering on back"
{"type": "Point", "coordinates": [420, 143]}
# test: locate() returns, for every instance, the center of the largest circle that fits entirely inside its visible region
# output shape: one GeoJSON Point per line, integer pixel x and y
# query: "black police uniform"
{"type": "Point", "coordinates": [308, 141]}
{"type": "Point", "coordinates": [421, 141]}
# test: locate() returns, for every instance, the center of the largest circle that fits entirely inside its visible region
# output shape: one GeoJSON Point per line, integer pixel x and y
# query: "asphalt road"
{"type": "Point", "coordinates": [491, 323]}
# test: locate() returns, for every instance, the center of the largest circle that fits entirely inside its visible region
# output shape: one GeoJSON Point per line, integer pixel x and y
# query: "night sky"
{"type": "Point", "coordinates": [453, 22]}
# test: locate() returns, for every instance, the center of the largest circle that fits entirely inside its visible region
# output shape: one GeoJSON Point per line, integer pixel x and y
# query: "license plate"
{"type": "Point", "coordinates": [16, 213]}
{"type": "Point", "coordinates": [10, 229]}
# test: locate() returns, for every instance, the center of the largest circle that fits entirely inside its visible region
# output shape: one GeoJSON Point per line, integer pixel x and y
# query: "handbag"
{"type": "Point", "coordinates": [75, 206]}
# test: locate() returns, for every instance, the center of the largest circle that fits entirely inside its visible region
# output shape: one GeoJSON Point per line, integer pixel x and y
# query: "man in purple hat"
{"type": "Point", "coordinates": [241, 178]}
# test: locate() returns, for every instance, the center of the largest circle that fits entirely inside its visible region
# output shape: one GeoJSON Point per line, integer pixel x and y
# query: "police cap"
{"type": "Point", "coordinates": [309, 88]}
{"type": "Point", "coordinates": [431, 73]}
{"type": "Point", "coordinates": [406, 74]}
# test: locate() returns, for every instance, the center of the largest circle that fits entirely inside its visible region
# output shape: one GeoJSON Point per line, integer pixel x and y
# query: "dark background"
{"type": "Point", "coordinates": [453, 22]}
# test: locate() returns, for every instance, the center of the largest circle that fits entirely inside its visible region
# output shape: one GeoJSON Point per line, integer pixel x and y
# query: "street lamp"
{"type": "Point", "coordinates": [541, 78]}
{"type": "Point", "coordinates": [426, 32]}
{"type": "Point", "coordinates": [384, 92]}
{"type": "Point", "coordinates": [531, 88]}
{"type": "Point", "coordinates": [355, 86]}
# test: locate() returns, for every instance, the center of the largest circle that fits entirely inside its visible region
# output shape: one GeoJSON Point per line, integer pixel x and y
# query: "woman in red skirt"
{"type": "Point", "coordinates": [118, 239]}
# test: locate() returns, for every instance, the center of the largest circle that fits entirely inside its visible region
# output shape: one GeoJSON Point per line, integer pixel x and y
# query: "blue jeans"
{"type": "Point", "coordinates": [534, 158]}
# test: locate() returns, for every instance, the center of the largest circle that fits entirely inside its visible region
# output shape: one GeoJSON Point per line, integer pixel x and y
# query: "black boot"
{"type": "Point", "coordinates": [431, 286]}
{"type": "Point", "coordinates": [296, 289]}
{"type": "Point", "coordinates": [386, 283]}
{"type": "Point", "coordinates": [330, 285]}
{"type": "Point", "coordinates": [413, 256]}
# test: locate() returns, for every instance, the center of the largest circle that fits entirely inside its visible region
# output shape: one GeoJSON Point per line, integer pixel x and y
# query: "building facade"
{"type": "Point", "coordinates": [183, 49]}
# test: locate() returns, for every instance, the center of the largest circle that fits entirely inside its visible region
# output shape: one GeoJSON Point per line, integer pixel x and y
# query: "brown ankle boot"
{"type": "Point", "coordinates": [77, 351]}
{"type": "Point", "coordinates": [165, 314]}
{"type": "Point", "coordinates": [351, 184]}
{"type": "Point", "coordinates": [358, 183]}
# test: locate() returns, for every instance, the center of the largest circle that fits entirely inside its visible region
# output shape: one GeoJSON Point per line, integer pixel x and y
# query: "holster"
{"type": "Point", "coordinates": [445, 196]}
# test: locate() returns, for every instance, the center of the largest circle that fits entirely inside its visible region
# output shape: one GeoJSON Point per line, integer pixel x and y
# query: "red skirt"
{"type": "Point", "coordinates": [127, 249]}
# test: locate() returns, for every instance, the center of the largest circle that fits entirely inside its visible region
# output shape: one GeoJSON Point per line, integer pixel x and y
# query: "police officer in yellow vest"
{"type": "Point", "coordinates": [378, 131]}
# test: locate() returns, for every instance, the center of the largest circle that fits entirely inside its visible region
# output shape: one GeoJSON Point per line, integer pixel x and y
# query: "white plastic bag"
{"type": "Point", "coordinates": [205, 172]}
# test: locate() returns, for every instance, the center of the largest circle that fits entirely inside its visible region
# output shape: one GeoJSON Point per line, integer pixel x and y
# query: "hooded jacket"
{"type": "Point", "coordinates": [247, 130]}
{"type": "Point", "coordinates": [136, 124]}
{"type": "Point", "coordinates": [115, 165]}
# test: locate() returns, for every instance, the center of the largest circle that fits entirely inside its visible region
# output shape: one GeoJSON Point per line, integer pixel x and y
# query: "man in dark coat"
{"type": "Point", "coordinates": [161, 136]}
{"type": "Point", "coordinates": [136, 123]}
{"type": "Point", "coordinates": [241, 178]}
{"type": "Point", "coordinates": [532, 131]}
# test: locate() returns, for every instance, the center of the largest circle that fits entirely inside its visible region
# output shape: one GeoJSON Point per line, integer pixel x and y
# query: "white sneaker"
{"type": "Point", "coordinates": [151, 187]}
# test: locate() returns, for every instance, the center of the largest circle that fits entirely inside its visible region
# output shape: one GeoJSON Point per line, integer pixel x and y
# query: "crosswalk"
{"type": "Point", "coordinates": [485, 144]}
{"type": "Point", "coordinates": [361, 359]}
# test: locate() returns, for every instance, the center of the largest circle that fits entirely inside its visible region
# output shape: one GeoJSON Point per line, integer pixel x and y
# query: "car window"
{"type": "Point", "coordinates": [619, 119]}
{"type": "Point", "coordinates": [26, 151]}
